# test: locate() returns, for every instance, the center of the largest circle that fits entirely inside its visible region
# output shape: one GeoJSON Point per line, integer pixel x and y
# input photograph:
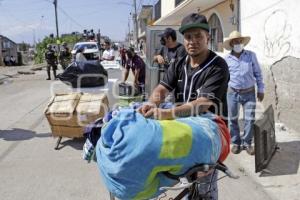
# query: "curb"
{"type": "Point", "coordinates": [2, 80]}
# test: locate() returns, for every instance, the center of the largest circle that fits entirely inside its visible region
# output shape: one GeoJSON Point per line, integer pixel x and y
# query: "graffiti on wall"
{"type": "Point", "coordinates": [277, 35]}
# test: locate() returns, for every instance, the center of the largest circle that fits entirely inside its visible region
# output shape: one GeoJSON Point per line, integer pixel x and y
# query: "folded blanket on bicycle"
{"type": "Point", "coordinates": [133, 151]}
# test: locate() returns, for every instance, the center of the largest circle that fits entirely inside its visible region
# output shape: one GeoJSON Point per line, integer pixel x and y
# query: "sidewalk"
{"type": "Point", "coordinates": [13, 71]}
{"type": "Point", "coordinates": [281, 179]}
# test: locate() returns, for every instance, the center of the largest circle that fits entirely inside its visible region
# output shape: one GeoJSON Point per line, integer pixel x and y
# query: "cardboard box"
{"type": "Point", "coordinates": [68, 114]}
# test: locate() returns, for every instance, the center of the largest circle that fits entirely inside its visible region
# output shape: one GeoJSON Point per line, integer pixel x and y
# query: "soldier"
{"type": "Point", "coordinates": [51, 61]}
{"type": "Point", "coordinates": [64, 56]}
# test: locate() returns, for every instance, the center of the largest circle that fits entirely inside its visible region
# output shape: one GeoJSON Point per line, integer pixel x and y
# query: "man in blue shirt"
{"type": "Point", "coordinates": [245, 73]}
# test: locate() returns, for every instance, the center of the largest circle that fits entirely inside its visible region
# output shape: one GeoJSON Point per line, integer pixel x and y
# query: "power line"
{"type": "Point", "coordinates": [67, 15]}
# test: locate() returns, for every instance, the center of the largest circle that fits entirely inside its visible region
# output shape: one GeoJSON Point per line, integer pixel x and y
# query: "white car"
{"type": "Point", "coordinates": [91, 50]}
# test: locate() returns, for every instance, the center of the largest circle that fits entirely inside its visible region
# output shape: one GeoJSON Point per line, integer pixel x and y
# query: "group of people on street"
{"type": "Point", "coordinates": [200, 80]}
{"type": "Point", "coordinates": [244, 72]}
{"type": "Point", "coordinates": [51, 59]}
{"type": "Point", "coordinates": [9, 61]}
{"type": "Point", "coordinates": [88, 35]}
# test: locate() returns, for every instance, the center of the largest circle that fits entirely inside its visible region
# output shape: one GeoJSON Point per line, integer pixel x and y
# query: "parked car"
{"type": "Point", "coordinates": [91, 50]}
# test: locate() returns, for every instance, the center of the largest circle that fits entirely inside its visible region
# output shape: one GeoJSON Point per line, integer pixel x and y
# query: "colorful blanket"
{"type": "Point", "coordinates": [133, 151]}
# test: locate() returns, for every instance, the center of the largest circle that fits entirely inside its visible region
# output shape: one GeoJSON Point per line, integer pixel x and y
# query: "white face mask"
{"type": "Point", "coordinates": [238, 48]}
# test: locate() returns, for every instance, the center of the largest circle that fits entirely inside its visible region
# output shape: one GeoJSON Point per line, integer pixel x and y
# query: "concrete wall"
{"type": "Point", "coordinates": [275, 37]}
{"type": "Point", "coordinates": [166, 7]}
{"type": "Point", "coordinates": [1, 57]}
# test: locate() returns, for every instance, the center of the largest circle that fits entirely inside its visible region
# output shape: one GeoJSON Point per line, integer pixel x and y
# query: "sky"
{"type": "Point", "coordinates": [24, 20]}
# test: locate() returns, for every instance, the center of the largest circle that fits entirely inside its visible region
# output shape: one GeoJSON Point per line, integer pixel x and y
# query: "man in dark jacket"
{"type": "Point", "coordinates": [64, 56]}
{"type": "Point", "coordinates": [51, 60]}
{"type": "Point", "coordinates": [171, 50]}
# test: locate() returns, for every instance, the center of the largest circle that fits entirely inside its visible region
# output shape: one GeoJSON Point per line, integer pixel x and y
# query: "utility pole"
{"type": "Point", "coordinates": [129, 38]}
{"type": "Point", "coordinates": [56, 21]}
{"type": "Point", "coordinates": [136, 24]}
{"type": "Point", "coordinates": [34, 40]}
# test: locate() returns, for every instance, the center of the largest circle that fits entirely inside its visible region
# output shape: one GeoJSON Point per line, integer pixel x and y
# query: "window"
{"type": "Point", "coordinates": [157, 10]}
{"type": "Point", "coordinates": [216, 33]}
{"type": "Point", "coordinates": [6, 45]}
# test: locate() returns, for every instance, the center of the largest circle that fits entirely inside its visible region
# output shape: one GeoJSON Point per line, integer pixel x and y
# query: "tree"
{"type": "Point", "coordinates": [42, 46]}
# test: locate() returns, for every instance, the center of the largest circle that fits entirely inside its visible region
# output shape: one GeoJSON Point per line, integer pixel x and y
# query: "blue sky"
{"type": "Point", "coordinates": [20, 20]}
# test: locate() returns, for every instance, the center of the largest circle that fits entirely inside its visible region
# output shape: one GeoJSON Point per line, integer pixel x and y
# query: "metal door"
{"type": "Point", "coordinates": [153, 70]}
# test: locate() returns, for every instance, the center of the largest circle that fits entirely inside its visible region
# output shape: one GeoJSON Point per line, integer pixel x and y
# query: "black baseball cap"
{"type": "Point", "coordinates": [168, 32]}
{"type": "Point", "coordinates": [194, 20]}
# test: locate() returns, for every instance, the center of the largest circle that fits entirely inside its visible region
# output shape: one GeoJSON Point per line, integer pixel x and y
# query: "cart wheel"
{"type": "Point", "coordinates": [57, 143]}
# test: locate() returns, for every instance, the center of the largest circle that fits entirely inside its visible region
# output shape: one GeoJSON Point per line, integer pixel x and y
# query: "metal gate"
{"type": "Point", "coordinates": [264, 139]}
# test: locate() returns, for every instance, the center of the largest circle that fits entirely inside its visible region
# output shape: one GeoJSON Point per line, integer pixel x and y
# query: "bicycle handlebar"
{"type": "Point", "coordinates": [222, 167]}
{"type": "Point", "coordinates": [185, 179]}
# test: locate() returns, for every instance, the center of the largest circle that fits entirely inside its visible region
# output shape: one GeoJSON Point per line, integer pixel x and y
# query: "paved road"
{"type": "Point", "coordinates": [30, 168]}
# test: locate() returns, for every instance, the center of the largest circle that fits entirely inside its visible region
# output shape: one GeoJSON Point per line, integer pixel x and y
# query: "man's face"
{"type": "Point", "coordinates": [168, 41]}
{"type": "Point", "coordinates": [106, 46]}
{"type": "Point", "coordinates": [236, 41]}
{"type": "Point", "coordinates": [196, 41]}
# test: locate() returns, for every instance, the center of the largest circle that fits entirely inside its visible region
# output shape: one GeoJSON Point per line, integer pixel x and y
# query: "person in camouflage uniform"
{"type": "Point", "coordinates": [64, 56]}
{"type": "Point", "coordinates": [51, 60]}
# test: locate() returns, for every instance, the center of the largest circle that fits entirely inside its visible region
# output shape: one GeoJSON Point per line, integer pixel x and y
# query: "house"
{"type": "Point", "coordinates": [7, 48]}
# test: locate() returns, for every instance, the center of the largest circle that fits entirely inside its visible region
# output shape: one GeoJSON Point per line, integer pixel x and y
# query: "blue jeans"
{"type": "Point", "coordinates": [234, 101]}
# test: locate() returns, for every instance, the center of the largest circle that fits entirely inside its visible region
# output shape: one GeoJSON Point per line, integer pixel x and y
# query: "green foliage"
{"type": "Point", "coordinates": [42, 46]}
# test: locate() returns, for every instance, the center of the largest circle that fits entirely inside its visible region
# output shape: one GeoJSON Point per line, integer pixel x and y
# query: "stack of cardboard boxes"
{"type": "Point", "coordinates": [68, 114]}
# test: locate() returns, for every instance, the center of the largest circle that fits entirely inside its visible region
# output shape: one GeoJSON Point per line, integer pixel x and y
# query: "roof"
{"type": "Point", "coordinates": [2, 36]}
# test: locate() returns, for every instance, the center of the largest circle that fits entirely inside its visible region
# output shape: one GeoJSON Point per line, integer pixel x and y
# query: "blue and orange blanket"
{"type": "Point", "coordinates": [133, 151]}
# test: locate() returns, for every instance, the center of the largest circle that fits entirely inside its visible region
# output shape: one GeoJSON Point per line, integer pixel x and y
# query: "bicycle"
{"type": "Point", "coordinates": [190, 180]}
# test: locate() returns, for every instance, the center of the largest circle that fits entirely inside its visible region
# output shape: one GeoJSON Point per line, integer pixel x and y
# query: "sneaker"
{"type": "Point", "coordinates": [48, 79]}
{"type": "Point", "coordinates": [249, 150]}
{"type": "Point", "coordinates": [236, 149]}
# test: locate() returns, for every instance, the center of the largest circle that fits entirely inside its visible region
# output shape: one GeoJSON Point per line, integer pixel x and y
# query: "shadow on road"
{"type": "Point", "coordinates": [285, 161]}
{"type": "Point", "coordinates": [17, 134]}
{"type": "Point", "coordinates": [76, 143]}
